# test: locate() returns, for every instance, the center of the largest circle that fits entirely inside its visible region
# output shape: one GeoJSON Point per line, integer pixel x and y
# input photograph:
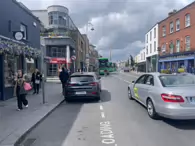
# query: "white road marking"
{"type": "Point", "coordinates": [122, 79]}
{"type": "Point", "coordinates": [106, 133]}
{"type": "Point", "coordinates": [101, 107]}
{"type": "Point", "coordinates": [130, 75]}
{"type": "Point", "coordinates": [102, 114]}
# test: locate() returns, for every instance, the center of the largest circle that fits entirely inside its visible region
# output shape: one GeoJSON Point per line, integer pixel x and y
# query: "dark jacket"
{"type": "Point", "coordinates": [36, 76]}
{"type": "Point", "coordinates": [20, 86]}
{"type": "Point", "coordinates": [64, 76]}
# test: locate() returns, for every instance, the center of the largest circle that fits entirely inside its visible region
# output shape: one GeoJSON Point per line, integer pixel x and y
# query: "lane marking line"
{"type": "Point", "coordinates": [101, 107]}
{"type": "Point", "coordinates": [102, 114]}
{"type": "Point", "coordinates": [122, 79]}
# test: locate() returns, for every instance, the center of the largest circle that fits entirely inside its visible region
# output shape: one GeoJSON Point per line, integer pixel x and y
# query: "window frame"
{"type": "Point", "coordinates": [163, 30]}
{"type": "Point", "coordinates": [187, 22]}
{"type": "Point", "coordinates": [23, 28]}
{"type": "Point", "coordinates": [171, 26]}
{"type": "Point", "coordinates": [147, 79]}
{"type": "Point", "coordinates": [136, 82]}
{"type": "Point", "coordinates": [176, 24]}
{"type": "Point", "coordinates": [187, 49]}
{"type": "Point", "coordinates": [177, 47]}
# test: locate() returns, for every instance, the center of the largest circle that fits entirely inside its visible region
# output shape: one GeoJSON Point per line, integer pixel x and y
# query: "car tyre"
{"type": "Point", "coordinates": [129, 94]}
{"type": "Point", "coordinates": [151, 110]}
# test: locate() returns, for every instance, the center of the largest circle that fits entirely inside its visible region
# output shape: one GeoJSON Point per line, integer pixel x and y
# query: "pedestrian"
{"type": "Point", "coordinates": [20, 91]}
{"type": "Point", "coordinates": [36, 80]}
{"type": "Point", "coordinates": [64, 76]}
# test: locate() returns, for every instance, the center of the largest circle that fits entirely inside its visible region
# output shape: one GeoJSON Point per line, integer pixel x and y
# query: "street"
{"type": "Point", "coordinates": [114, 121]}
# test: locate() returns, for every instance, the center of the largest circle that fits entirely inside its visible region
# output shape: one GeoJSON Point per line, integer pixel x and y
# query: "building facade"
{"type": "Point", "coordinates": [93, 58]}
{"type": "Point", "coordinates": [151, 45]}
{"type": "Point", "coordinates": [177, 40]}
{"type": "Point", "coordinates": [61, 39]}
{"type": "Point", "coordinates": [141, 61]}
{"type": "Point", "coordinates": [19, 44]}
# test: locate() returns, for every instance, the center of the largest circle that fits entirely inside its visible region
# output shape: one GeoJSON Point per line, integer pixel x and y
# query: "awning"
{"type": "Point", "coordinates": [58, 61]}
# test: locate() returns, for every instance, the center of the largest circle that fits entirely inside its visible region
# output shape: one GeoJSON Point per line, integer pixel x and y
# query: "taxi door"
{"type": "Point", "coordinates": [139, 90]}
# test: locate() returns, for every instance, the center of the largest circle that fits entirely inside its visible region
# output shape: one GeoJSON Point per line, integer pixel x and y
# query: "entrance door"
{"type": "Point", "coordinates": [52, 70]}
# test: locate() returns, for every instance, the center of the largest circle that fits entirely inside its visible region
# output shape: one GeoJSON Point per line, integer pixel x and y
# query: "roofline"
{"type": "Point", "coordinates": [177, 12]}
{"type": "Point", "coordinates": [58, 6]}
{"type": "Point", "coordinates": [152, 27]}
{"type": "Point", "coordinates": [40, 10]}
{"type": "Point", "coordinates": [29, 12]}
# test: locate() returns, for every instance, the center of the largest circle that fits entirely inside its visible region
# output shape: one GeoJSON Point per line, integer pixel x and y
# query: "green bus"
{"type": "Point", "coordinates": [103, 64]}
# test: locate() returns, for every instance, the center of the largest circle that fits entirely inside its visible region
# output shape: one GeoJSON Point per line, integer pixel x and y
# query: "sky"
{"type": "Point", "coordinates": [119, 25]}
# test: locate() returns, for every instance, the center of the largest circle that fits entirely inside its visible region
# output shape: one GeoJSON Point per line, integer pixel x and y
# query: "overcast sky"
{"type": "Point", "coordinates": [120, 25]}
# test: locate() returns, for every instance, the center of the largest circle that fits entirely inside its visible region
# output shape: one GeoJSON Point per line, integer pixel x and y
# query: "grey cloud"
{"type": "Point", "coordinates": [118, 24]}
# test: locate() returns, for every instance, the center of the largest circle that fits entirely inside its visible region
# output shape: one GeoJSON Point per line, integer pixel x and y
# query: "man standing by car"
{"type": "Point", "coordinates": [64, 75]}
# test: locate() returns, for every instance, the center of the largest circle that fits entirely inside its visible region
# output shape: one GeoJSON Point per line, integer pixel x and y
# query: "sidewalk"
{"type": "Point", "coordinates": [14, 124]}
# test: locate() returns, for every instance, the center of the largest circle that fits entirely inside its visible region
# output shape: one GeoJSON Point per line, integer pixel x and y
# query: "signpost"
{"type": "Point", "coordinates": [73, 58]}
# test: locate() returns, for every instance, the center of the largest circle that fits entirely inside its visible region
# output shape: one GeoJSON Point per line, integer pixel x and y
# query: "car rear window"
{"type": "Point", "coordinates": [82, 78]}
{"type": "Point", "coordinates": [177, 80]}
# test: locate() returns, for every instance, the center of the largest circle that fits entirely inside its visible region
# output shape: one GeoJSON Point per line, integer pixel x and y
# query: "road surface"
{"type": "Point", "coordinates": [114, 121]}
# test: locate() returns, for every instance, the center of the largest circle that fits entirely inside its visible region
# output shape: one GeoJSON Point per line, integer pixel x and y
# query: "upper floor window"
{"type": "Point", "coordinates": [177, 45]}
{"type": "Point", "coordinates": [150, 48]}
{"type": "Point", "coordinates": [187, 20]}
{"type": "Point", "coordinates": [163, 49]}
{"type": "Point", "coordinates": [154, 32]}
{"type": "Point", "coordinates": [146, 49]}
{"type": "Point", "coordinates": [154, 46]}
{"type": "Point", "coordinates": [23, 28]}
{"type": "Point", "coordinates": [177, 25]}
{"type": "Point", "coordinates": [164, 31]}
{"type": "Point", "coordinates": [150, 35]}
{"type": "Point", "coordinates": [187, 43]}
{"type": "Point", "coordinates": [171, 27]}
{"type": "Point", "coordinates": [57, 18]}
{"type": "Point", "coordinates": [171, 47]}
{"type": "Point", "coordinates": [147, 38]}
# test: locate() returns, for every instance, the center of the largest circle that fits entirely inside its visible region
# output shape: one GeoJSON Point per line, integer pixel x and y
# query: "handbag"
{"type": "Point", "coordinates": [27, 86]}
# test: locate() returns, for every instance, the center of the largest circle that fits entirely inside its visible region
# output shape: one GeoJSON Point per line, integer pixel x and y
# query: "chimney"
{"type": "Point", "coordinates": [173, 12]}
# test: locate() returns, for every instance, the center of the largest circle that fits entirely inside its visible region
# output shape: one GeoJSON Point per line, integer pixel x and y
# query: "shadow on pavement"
{"type": "Point", "coordinates": [105, 97]}
{"type": "Point", "coordinates": [181, 124]}
{"type": "Point", "coordinates": [54, 129]}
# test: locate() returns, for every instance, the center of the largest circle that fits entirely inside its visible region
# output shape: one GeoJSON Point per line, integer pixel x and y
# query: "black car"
{"type": "Point", "coordinates": [126, 69]}
{"type": "Point", "coordinates": [83, 85]}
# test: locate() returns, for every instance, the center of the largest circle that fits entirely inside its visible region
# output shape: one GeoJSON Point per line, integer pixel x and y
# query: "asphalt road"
{"type": "Point", "coordinates": [114, 121]}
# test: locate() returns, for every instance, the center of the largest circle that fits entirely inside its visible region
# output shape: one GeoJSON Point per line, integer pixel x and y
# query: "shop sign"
{"type": "Point", "coordinates": [58, 60]}
{"type": "Point", "coordinates": [176, 57]}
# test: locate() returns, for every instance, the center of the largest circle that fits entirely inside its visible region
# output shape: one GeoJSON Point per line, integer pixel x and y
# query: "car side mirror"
{"type": "Point", "coordinates": [133, 82]}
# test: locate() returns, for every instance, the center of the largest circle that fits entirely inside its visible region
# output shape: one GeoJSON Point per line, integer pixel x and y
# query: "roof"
{"type": "Point", "coordinates": [177, 11]}
{"type": "Point", "coordinates": [83, 73]}
{"type": "Point", "coordinates": [21, 5]}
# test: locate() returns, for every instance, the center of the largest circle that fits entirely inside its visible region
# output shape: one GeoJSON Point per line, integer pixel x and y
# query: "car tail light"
{"type": "Point", "coordinates": [172, 98]}
{"type": "Point", "coordinates": [93, 84]}
{"type": "Point", "coordinates": [69, 84]}
{"type": "Point", "coordinates": [94, 92]}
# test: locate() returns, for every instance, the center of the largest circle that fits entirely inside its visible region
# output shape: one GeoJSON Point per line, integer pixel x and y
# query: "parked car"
{"type": "Point", "coordinates": [83, 85]}
{"type": "Point", "coordinates": [166, 95]}
{"type": "Point", "coordinates": [126, 69]}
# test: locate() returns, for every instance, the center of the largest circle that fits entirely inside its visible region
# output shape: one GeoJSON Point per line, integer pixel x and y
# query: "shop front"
{"type": "Point", "coordinates": [141, 67]}
{"type": "Point", "coordinates": [151, 63]}
{"type": "Point", "coordinates": [178, 62]}
{"type": "Point", "coordinates": [13, 56]}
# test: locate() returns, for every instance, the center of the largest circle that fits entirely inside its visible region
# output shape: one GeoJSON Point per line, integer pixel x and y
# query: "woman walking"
{"type": "Point", "coordinates": [36, 80]}
{"type": "Point", "coordinates": [20, 91]}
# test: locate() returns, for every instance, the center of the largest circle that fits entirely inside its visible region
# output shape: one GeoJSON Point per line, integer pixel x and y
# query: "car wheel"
{"type": "Point", "coordinates": [129, 94]}
{"type": "Point", "coordinates": [151, 110]}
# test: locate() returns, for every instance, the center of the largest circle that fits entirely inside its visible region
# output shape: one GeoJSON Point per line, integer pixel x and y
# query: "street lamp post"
{"type": "Point", "coordinates": [158, 58]}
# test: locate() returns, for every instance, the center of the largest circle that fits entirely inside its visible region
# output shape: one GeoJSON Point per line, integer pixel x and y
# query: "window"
{"type": "Point", "coordinates": [187, 42]}
{"type": "Point", "coordinates": [150, 80]}
{"type": "Point", "coordinates": [164, 31]}
{"type": "Point", "coordinates": [150, 48]}
{"type": "Point", "coordinates": [163, 49]}
{"type": "Point", "coordinates": [177, 45]}
{"type": "Point", "coordinates": [171, 47]}
{"type": "Point", "coordinates": [154, 46]}
{"type": "Point", "coordinates": [171, 27]}
{"type": "Point", "coordinates": [187, 20]}
{"type": "Point", "coordinates": [150, 35]}
{"type": "Point", "coordinates": [23, 28]}
{"type": "Point", "coordinates": [9, 71]}
{"type": "Point", "coordinates": [177, 25]}
{"type": "Point", "coordinates": [83, 78]}
{"type": "Point", "coordinates": [147, 38]}
{"type": "Point", "coordinates": [147, 50]}
{"type": "Point", "coordinates": [154, 32]}
{"type": "Point", "coordinates": [141, 80]}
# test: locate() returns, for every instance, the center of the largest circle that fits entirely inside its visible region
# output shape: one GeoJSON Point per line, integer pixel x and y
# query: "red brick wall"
{"type": "Point", "coordinates": [182, 33]}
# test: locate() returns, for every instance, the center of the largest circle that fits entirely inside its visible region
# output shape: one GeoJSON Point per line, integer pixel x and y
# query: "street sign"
{"type": "Point", "coordinates": [73, 57]}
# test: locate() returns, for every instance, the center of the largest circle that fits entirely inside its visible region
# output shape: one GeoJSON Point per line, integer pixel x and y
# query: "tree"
{"type": "Point", "coordinates": [132, 61]}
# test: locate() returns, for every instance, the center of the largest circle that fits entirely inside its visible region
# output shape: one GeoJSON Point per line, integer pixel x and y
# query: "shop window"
{"type": "Point", "coordinates": [164, 31]}
{"type": "Point", "coordinates": [9, 70]}
{"type": "Point", "coordinates": [171, 27]}
{"type": "Point", "coordinates": [177, 25]}
{"type": "Point", "coordinates": [178, 45]}
{"type": "Point", "coordinates": [187, 43]}
{"type": "Point", "coordinates": [187, 20]}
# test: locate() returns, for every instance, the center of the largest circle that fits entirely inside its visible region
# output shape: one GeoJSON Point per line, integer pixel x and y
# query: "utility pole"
{"type": "Point", "coordinates": [43, 74]}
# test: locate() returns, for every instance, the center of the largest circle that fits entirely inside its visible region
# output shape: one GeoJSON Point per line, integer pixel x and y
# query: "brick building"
{"type": "Point", "coordinates": [177, 39]}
